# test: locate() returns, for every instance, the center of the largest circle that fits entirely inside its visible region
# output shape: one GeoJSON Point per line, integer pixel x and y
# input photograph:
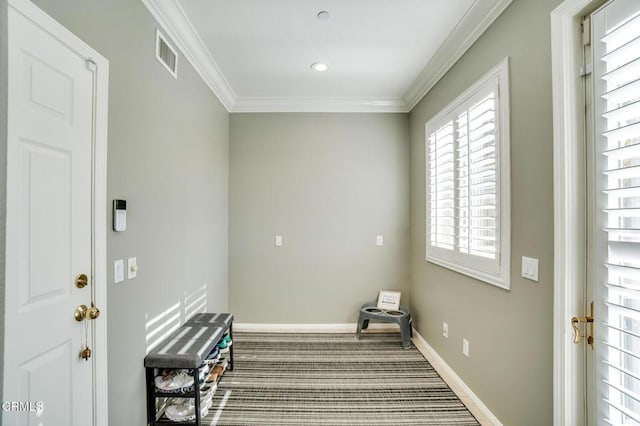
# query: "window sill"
{"type": "Point", "coordinates": [501, 281]}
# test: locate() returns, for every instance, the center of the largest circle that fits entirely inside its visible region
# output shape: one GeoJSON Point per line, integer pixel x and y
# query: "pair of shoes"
{"type": "Point", "coordinates": [203, 371]}
{"type": "Point", "coordinates": [213, 360]}
{"type": "Point", "coordinates": [216, 373]}
{"type": "Point", "coordinates": [224, 346]}
{"type": "Point", "coordinates": [208, 389]}
{"type": "Point", "coordinates": [174, 380]}
{"type": "Point", "coordinates": [215, 353]}
{"type": "Point", "coordinates": [213, 376]}
{"type": "Point", "coordinates": [225, 342]}
{"type": "Point", "coordinates": [185, 412]}
{"type": "Point", "coordinates": [224, 363]}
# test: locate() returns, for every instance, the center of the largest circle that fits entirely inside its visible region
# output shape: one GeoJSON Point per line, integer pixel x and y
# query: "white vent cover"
{"type": "Point", "coordinates": [166, 54]}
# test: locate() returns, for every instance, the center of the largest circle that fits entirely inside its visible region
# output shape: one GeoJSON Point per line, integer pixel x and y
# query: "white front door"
{"type": "Point", "coordinates": [50, 237]}
{"type": "Point", "coordinates": [614, 256]}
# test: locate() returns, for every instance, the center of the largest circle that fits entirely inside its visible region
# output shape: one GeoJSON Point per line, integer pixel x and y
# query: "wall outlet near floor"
{"type": "Point", "coordinates": [379, 240]}
{"type": "Point", "coordinates": [465, 347]}
{"type": "Point", "coordinates": [278, 240]}
{"type": "Point", "coordinates": [445, 330]}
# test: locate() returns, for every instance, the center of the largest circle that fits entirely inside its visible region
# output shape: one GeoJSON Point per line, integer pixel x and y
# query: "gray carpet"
{"type": "Point", "coordinates": [332, 379]}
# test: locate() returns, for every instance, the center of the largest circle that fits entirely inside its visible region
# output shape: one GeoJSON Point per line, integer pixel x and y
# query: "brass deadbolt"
{"type": "Point", "coordinates": [82, 280]}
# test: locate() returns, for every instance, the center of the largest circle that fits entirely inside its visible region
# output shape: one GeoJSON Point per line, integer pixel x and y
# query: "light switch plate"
{"type": "Point", "coordinates": [118, 271]}
{"type": "Point", "coordinates": [530, 268]}
{"type": "Point", "coordinates": [132, 268]}
{"type": "Point", "coordinates": [379, 240]}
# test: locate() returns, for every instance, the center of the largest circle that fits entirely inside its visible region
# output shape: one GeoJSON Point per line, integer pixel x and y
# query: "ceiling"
{"type": "Point", "coordinates": [383, 55]}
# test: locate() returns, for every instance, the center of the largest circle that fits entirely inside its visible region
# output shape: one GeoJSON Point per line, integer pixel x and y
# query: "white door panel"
{"type": "Point", "coordinates": [49, 228]}
{"type": "Point", "coordinates": [54, 363]}
{"type": "Point", "coordinates": [45, 268]}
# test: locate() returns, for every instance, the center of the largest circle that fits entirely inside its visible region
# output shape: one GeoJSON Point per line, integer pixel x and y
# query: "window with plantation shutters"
{"type": "Point", "coordinates": [616, 75]}
{"type": "Point", "coordinates": [467, 186]}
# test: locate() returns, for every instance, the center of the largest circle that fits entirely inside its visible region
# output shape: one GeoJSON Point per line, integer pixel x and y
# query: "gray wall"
{"type": "Point", "coordinates": [510, 332]}
{"type": "Point", "coordinates": [3, 172]}
{"type": "Point", "coordinates": [168, 157]}
{"type": "Point", "coordinates": [328, 183]}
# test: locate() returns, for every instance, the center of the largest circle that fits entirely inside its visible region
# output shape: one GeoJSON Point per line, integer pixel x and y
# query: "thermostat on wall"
{"type": "Point", "coordinates": [119, 215]}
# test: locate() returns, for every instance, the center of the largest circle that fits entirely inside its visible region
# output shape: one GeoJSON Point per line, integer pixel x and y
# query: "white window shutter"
{"type": "Point", "coordinates": [466, 174]}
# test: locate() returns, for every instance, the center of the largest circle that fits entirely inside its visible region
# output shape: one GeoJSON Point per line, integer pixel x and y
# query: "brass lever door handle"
{"type": "Point", "coordinates": [83, 312]}
{"type": "Point", "coordinates": [577, 336]}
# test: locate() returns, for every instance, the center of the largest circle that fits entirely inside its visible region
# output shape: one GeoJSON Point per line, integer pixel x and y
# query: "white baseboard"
{"type": "Point", "coordinates": [311, 328]}
{"type": "Point", "coordinates": [473, 403]}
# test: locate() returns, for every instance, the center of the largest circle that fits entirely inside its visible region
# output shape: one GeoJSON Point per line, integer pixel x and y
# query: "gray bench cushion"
{"type": "Point", "coordinates": [186, 347]}
{"type": "Point", "coordinates": [223, 318]}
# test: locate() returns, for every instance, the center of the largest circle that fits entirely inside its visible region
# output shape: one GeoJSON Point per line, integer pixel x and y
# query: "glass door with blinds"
{"type": "Point", "coordinates": [614, 258]}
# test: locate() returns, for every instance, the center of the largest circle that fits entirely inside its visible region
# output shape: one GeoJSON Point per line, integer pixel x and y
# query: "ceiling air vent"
{"type": "Point", "coordinates": [166, 54]}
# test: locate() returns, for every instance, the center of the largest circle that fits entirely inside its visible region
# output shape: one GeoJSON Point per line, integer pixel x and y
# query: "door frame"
{"type": "Point", "coordinates": [569, 171]}
{"type": "Point", "coordinates": [99, 196]}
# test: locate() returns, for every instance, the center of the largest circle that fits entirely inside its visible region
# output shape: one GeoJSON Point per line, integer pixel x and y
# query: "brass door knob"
{"type": "Point", "coordinates": [83, 312]}
{"type": "Point", "coordinates": [92, 312]}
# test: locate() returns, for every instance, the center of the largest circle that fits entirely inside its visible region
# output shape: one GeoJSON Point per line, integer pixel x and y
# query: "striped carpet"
{"type": "Point", "coordinates": [332, 379]}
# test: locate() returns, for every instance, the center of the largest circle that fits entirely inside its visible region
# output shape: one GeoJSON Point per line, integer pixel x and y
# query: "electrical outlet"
{"type": "Point", "coordinates": [379, 240]}
{"type": "Point", "coordinates": [465, 347]}
{"type": "Point", "coordinates": [278, 241]}
{"type": "Point", "coordinates": [445, 330]}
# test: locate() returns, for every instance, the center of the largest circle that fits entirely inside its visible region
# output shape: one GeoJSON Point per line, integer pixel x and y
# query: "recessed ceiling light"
{"type": "Point", "coordinates": [319, 66]}
{"type": "Point", "coordinates": [323, 15]}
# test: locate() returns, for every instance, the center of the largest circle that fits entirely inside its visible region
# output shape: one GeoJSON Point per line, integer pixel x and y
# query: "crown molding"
{"type": "Point", "coordinates": [318, 105]}
{"type": "Point", "coordinates": [475, 22]}
{"type": "Point", "coordinates": [176, 25]}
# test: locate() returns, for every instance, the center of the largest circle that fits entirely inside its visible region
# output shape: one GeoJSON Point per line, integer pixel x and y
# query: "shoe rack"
{"type": "Point", "coordinates": [177, 359]}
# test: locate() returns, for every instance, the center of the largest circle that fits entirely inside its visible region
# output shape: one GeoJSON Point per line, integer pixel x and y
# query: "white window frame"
{"type": "Point", "coordinates": [496, 272]}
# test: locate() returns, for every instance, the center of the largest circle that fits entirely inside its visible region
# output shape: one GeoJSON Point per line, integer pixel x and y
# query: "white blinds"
{"type": "Point", "coordinates": [462, 180]}
{"type": "Point", "coordinates": [441, 188]}
{"type": "Point", "coordinates": [467, 181]}
{"type": "Point", "coordinates": [477, 176]}
{"type": "Point", "coordinates": [617, 89]}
